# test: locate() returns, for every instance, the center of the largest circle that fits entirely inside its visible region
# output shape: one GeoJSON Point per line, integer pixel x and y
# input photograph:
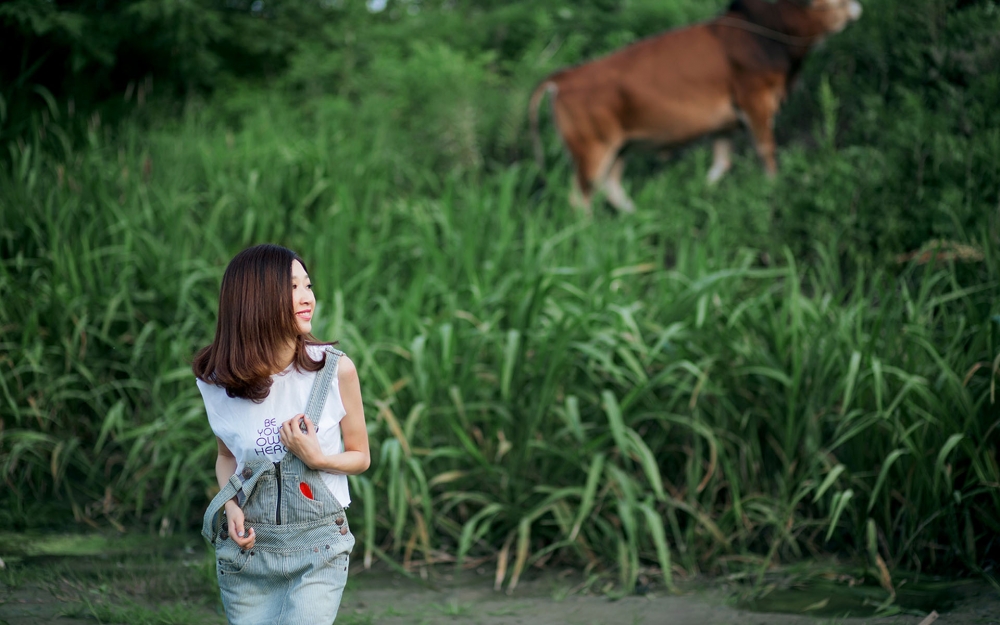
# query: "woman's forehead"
{"type": "Point", "coordinates": [298, 271]}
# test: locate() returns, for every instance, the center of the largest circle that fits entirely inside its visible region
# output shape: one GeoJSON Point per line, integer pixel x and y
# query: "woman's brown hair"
{"type": "Point", "coordinates": [256, 319]}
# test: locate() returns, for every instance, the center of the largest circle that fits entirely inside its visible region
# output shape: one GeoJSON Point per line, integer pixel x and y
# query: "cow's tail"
{"type": "Point", "coordinates": [547, 86]}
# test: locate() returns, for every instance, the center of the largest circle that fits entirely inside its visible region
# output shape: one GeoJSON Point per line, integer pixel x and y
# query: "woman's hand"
{"type": "Point", "coordinates": [305, 444]}
{"type": "Point", "coordinates": [225, 466]}
{"type": "Point", "coordinates": [298, 434]}
{"type": "Point", "coordinates": [234, 515]}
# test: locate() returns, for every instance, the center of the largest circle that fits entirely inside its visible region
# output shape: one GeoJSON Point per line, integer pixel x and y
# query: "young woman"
{"type": "Point", "coordinates": [287, 415]}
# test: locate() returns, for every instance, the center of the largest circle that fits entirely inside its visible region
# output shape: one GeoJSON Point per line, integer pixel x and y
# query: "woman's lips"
{"type": "Point", "coordinates": [305, 315]}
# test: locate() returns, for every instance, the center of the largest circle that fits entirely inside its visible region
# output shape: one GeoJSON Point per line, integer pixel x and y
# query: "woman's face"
{"type": "Point", "coordinates": [303, 300]}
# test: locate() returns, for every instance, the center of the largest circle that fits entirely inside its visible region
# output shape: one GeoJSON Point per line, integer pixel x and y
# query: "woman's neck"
{"type": "Point", "coordinates": [285, 356]}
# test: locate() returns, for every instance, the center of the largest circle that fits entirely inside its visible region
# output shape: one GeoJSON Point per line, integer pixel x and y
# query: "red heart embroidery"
{"type": "Point", "coordinates": [306, 490]}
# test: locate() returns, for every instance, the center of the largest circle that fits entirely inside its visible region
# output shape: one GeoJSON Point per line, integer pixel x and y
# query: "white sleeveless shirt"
{"type": "Point", "coordinates": [250, 430]}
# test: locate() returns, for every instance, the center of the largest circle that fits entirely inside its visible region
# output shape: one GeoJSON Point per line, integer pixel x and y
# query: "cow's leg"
{"type": "Point", "coordinates": [592, 163]}
{"type": "Point", "coordinates": [760, 104]}
{"type": "Point", "coordinates": [722, 148]}
{"type": "Point", "coordinates": [613, 187]}
{"type": "Point", "coordinates": [762, 128]}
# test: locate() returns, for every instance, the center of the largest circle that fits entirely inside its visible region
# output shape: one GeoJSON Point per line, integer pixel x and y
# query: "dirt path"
{"type": "Point", "coordinates": [86, 580]}
{"type": "Point", "coordinates": [386, 599]}
{"type": "Point", "coordinates": [393, 600]}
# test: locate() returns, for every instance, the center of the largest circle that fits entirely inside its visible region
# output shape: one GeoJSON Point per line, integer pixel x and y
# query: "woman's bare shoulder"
{"type": "Point", "coordinates": [346, 371]}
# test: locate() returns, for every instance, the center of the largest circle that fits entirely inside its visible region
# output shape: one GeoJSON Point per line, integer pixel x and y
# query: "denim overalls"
{"type": "Point", "coordinates": [297, 569]}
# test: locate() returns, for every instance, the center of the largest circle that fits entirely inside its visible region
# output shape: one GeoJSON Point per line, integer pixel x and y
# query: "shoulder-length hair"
{"type": "Point", "coordinates": [256, 320]}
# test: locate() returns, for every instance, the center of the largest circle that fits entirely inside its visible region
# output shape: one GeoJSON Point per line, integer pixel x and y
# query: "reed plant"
{"type": "Point", "coordinates": [686, 389]}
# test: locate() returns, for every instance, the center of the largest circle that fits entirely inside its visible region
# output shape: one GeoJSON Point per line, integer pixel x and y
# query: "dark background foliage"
{"type": "Point", "coordinates": [912, 87]}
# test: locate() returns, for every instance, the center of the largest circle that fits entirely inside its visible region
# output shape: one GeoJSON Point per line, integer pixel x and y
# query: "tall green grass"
{"type": "Point", "coordinates": [669, 392]}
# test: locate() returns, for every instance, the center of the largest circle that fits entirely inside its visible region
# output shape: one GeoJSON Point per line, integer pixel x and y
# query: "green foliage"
{"type": "Point", "coordinates": [914, 82]}
{"type": "Point", "coordinates": [532, 380]}
{"type": "Point", "coordinates": [748, 373]}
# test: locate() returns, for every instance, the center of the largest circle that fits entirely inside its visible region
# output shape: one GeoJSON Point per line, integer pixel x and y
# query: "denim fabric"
{"type": "Point", "coordinates": [296, 572]}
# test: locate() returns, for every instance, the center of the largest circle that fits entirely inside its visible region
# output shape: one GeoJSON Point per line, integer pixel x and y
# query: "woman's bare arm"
{"type": "Point", "coordinates": [225, 464]}
{"type": "Point", "coordinates": [225, 467]}
{"type": "Point", "coordinates": [356, 456]}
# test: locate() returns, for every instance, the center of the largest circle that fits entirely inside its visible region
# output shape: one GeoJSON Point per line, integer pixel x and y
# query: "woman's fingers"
{"type": "Point", "coordinates": [241, 535]}
{"type": "Point", "coordinates": [287, 429]}
{"type": "Point", "coordinates": [291, 428]}
{"type": "Point", "coordinates": [244, 541]}
{"type": "Point", "coordinates": [247, 542]}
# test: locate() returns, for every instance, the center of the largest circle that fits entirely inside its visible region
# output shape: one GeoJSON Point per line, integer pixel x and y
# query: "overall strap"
{"type": "Point", "coordinates": [238, 484]}
{"type": "Point", "coordinates": [321, 384]}
{"type": "Point", "coordinates": [212, 522]}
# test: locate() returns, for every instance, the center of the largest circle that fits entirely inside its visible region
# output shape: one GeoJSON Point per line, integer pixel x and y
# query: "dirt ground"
{"type": "Point", "coordinates": [393, 600]}
{"type": "Point", "coordinates": [86, 580]}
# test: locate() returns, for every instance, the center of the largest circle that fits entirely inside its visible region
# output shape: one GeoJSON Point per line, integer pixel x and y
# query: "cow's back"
{"type": "Point", "coordinates": [684, 84]}
{"type": "Point", "coordinates": [668, 88]}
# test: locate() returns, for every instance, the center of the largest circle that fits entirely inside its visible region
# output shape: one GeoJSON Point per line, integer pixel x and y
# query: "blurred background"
{"type": "Point", "coordinates": [733, 378]}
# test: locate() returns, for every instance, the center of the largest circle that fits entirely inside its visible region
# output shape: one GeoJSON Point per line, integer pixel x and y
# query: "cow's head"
{"type": "Point", "coordinates": [801, 18]}
{"type": "Point", "coordinates": [832, 16]}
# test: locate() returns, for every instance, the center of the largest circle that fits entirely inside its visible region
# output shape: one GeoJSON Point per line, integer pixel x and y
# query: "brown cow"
{"type": "Point", "coordinates": [685, 84]}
